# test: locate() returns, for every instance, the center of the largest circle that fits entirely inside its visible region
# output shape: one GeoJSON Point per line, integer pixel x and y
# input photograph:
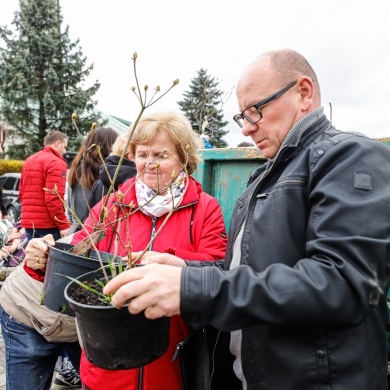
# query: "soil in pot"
{"type": "Point", "coordinates": [113, 338]}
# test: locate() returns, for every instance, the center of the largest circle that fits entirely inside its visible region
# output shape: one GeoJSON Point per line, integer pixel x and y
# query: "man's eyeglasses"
{"type": "Point", "coordinates": [253, 113]}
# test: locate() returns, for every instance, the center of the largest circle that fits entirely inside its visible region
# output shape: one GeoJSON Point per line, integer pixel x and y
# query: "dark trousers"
{"type": "Point", "coordinates": [38, 233]}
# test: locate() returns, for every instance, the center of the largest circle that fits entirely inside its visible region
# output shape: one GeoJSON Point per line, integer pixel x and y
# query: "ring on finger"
{"type": "Point", "coordinates": [37, 259]}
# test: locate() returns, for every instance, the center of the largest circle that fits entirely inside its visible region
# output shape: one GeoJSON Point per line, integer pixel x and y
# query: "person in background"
{"type": "Point", "coordinates": [165, 154]}
{"type": "Point", "coordinates": [127, 170]}
{"type": "Point", "coordinates": [84, 171]}
{"type": "Point", "coordinates": [27, 351]}
{"type": "Point", "coordinates": [205, 138]}
{"type": "Point", "coordinates": [11, 237]}
{"type": "Point", "coordinates": [42, 211]}
{"type": "Point", "coordinates": [2, 206]}
{"type": "Point", "coordinates": [198, 140]}
{"type": "Point", "coordinates": [13, 241]}
{"type": "Point", "coordinates": [303, 286]}
{"type": "Point", "coordinates": [245, 144]}
{"type": "Point", "coordinates": [3, 135]}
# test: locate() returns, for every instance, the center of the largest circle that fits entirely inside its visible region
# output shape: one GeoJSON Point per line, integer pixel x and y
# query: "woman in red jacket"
{"type": "Point", "coordinates": [165, 153]}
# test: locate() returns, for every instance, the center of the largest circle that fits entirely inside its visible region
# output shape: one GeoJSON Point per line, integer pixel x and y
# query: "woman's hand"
{"type": "Point", "coordinates": [151, 257]}
{"type": "Point", "coordinates": [36, 252]}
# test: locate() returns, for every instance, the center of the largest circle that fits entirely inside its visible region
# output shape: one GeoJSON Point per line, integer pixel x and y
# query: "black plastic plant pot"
{"type": "Point", "coordinates": [113, 338]}
{"type": "Point", "coordinates": [61, 263]}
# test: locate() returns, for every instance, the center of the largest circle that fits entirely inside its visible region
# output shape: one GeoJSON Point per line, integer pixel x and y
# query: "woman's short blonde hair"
{"type": "Point", "coordinates": [120, 144]}
{"type": "Point", "coordinates": [178, 129]}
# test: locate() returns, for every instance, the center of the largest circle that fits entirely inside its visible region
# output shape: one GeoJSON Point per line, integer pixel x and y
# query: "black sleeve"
{"type": "Point", "coordinates": [98, 191]}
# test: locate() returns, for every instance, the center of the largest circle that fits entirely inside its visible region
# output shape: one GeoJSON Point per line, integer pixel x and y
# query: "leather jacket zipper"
{"type": "Point", "coordinates": [179, 346]}
{"type": "Point", "coordinates": [292, 181]}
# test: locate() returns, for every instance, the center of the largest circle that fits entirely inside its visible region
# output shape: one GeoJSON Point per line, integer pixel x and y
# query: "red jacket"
{"type": "Point", "coordinates": [195, 231]}
{"type": "Point", "coordinates": [40, 209]}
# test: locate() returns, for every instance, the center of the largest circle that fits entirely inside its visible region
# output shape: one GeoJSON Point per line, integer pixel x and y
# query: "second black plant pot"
{"type": "Point", "coordinates": [60, 264]}
{"type": "Point", "coordinates": [113, 338]}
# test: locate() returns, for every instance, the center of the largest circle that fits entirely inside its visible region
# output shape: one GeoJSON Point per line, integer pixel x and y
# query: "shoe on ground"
{"type": "Point", "coordinates": [66, 379]}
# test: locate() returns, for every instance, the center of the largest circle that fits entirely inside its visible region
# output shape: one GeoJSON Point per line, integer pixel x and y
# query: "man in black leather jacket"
{"type": "Point", "coordinates": [303, 287]}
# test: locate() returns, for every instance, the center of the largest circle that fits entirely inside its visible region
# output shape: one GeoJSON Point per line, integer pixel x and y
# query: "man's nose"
{"type": "Point", "coordinates": [248, 128]}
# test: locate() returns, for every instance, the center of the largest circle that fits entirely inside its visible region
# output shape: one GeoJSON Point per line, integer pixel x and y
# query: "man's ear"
{"type": "Point", "coordinates": [307, 92]}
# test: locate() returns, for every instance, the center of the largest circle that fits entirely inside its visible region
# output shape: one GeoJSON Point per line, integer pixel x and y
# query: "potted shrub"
{"type": "Point", "coordinates": [112, 338]}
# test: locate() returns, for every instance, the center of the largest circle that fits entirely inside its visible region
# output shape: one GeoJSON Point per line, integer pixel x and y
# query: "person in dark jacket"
{"type": "Point", "coordinates": [303, 286]}
{"type": "Point", "coordinates": [107, 170]}
{"type": "Point", "coordinates": [84, 172]}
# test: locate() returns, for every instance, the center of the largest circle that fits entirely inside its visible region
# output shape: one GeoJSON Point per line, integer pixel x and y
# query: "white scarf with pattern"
{"type": "Point", "coordinates": [156, 205]}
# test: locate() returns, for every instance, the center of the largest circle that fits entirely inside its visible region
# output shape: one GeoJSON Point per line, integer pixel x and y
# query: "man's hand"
{"type": "Point", "coordinates": [154, 288]}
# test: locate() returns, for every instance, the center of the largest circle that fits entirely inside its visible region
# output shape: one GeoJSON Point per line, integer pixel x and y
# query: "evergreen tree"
{"type": "Point", "coordinates": [41, 78]}
{"type": "Point", "coordinates": [203, 105]}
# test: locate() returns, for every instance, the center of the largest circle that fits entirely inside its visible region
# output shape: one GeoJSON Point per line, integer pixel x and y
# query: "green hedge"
{"type": "Point", "coordinates": [11, 166]}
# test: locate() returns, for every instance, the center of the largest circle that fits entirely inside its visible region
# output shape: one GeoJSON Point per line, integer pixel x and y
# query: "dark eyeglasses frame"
{"type": "Point", "coordinates": [261, 103]}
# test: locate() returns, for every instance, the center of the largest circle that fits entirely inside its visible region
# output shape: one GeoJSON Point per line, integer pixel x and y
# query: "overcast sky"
{"type": "Point", "coordinates": [346, 41]}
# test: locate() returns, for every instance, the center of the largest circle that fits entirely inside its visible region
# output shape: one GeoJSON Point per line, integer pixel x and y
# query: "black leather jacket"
{"type": "Point", "coordinates": [310, 291]}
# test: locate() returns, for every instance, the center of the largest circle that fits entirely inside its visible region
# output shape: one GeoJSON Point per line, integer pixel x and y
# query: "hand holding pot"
{"type": "Point", "coordinates": [36, 252]}
{"type": "Point", "coordinates": [154, 288]}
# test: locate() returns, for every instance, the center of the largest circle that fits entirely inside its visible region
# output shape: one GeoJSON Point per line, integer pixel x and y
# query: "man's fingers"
{"type": "Point", "coordinates": [168, 259]}
{"type": "Point", "coordinates": [131, 292]}
{"type": "Point", "coordinates": [154, 312]}
{"type": "Point", "coordinates": [154, 288]}
{"type": "Point", "coordinates": [124, 277]}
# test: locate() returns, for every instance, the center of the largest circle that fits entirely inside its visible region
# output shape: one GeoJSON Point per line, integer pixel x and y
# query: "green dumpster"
{"type": "Point", "coordinates": [224, 174]}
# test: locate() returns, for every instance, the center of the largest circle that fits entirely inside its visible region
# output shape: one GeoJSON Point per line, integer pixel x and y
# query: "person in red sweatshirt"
{"type": "Point", "coordinates": [43, 212]}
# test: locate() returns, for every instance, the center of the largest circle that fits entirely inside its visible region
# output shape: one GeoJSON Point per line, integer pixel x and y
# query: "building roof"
{"type": "Point", "coordinates": [118, 124]}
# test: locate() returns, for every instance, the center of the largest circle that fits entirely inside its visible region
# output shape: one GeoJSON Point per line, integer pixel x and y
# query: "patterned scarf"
{"type": "Point", "coordinates": [157, 205]}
